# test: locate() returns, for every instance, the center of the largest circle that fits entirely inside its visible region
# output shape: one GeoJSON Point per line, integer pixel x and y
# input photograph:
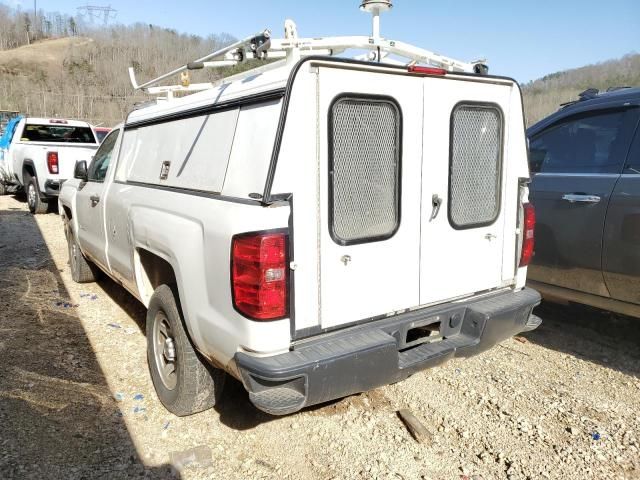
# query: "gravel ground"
{"type": "Point", "coordinates": [76, 400]}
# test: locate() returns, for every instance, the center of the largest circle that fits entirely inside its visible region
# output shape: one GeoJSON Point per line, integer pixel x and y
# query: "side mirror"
{"type": "Point", "coordinates": [80, 170]}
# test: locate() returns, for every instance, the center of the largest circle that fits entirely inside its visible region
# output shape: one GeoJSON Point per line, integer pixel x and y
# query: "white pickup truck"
{"type": "Point", "coordinates": [41, 155]}
{"type": "Point", "coordinates": [315, 229]}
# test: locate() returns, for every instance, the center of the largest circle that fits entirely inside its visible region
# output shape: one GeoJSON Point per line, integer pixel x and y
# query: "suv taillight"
{"type": "Point", "coordinates": [259, 275]}
{"type": "Point", "coordinates": [527, 234]}
{"type": "Point", "coordinates": [52, 162]}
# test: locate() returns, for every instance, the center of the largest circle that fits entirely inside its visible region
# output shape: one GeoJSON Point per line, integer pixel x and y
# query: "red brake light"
{"type": "Point", "coordinates": [527, 234]}
{"type": "Point", "coordinates": [52, 162]}
{"type": "Point", "coordinates": [259, 275]}
{"type": "Point", "coordinates": [426, 70]}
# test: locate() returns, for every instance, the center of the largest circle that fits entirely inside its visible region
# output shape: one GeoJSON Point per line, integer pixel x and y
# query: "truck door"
{"type": "Point", "coordinates": [369, 165]}
{"type": "Point", "coordinates": [576, 164]}
{"type": "Point", "coordinates": [464, 188]}
{"type": "Point", "coordinates": [90, 204]}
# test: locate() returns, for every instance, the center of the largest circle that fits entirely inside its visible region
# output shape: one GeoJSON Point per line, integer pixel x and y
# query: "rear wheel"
{"type": "Point", "coordinates": [82, 270]}
{"type": "Point", "coordinates": [36, 205]}
{"type": "Point", "coordinates": [183, 382]}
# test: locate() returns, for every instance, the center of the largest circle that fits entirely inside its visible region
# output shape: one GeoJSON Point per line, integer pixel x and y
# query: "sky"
{"type": "Point", "coordinates": [523, 40]}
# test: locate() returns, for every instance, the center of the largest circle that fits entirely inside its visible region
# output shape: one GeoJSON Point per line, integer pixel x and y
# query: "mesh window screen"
{"type": "Point", "coordinates": [364, 180]}
{"type": "Point", "coordinates": [476, 146]}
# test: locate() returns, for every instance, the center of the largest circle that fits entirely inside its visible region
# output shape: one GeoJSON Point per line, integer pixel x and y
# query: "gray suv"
{"type": "Point", "coordinates": [585, 166]}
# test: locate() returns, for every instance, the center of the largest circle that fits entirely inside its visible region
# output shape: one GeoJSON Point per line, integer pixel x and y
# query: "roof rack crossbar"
{"type": "Point", "coordinates": [262, 47]}
{"type": "Point", "coordinates": [221, 53]}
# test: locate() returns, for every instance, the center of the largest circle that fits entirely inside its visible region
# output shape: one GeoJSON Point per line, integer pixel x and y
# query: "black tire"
{"type": "Point", "coordinates": [36, 204]}
{"type": "Point", "coordinates": [82, 270]}
{"type": "Point", "coordinates": [185, 384]}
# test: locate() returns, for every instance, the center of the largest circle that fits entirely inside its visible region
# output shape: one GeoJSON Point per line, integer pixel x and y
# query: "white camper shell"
{"type": "Point", "coordinates": [322, 228]}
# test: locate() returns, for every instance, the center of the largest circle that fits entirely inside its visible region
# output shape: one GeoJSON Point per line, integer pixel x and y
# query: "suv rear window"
{"type": "Point", "coordinates": [57, 134]}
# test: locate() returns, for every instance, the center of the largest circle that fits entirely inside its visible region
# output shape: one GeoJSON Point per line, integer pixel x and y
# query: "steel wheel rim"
{"type": "Point", "coordinates": [164, 351]}
{"type": "Point", "coordinates": [31, 195]}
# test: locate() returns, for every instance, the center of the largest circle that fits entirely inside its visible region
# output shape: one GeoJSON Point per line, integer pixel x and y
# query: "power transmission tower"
{"type": "Point", "coordinates": [97, 13]}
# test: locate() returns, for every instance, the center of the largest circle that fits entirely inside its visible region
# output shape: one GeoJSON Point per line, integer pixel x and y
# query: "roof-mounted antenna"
{"type": "Point", "coordinates": [375, 8]}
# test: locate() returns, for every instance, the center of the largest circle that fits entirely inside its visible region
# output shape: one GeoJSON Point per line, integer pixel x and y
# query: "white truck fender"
{"type": "Point", "coordinates": [150, 232]}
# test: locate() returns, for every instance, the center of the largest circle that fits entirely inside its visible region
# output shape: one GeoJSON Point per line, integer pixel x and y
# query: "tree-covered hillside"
{"type": "Point", "coordinates": [70, 69]}
{"type": "Point", "coordinates": [58, 65]}
{"type": "Point", "coordinates": [543, 96]}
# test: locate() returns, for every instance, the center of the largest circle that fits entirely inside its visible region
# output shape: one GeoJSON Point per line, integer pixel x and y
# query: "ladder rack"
{"type": "Point", "coordinates": [290, 49]}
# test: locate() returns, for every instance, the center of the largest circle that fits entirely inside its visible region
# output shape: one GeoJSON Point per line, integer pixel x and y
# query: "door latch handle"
{"type": "Point", "coordinates": [94, 199]}
{"type": "Point", "coordinates": [436, 201]}
{"type": "Point", "coordinates": [580, 198]}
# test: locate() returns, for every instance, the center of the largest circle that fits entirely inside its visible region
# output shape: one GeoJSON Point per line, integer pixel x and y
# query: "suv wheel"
{"type": "Point", "coordinates": [183, 382]}
{"type": "Point", "coordinates": [36, 205]}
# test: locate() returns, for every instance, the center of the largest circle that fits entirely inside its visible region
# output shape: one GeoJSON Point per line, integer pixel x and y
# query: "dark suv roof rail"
{"type": "Point", "coordinates": [615, 89]}
{"type": "Point", "coordinates": [591, 93]}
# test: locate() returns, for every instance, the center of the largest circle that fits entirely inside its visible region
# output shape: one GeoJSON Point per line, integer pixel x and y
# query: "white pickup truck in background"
{"type": "Point", "coordinates": [41, 155]}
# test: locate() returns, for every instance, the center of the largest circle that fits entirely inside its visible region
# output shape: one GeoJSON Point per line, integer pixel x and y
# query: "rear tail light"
{"type": "Point", "coordinates": [52, 162]}
{"type": "Point", "coordinates": [527, 234]}
{"type": "Point", "coordinates": [259, 275]}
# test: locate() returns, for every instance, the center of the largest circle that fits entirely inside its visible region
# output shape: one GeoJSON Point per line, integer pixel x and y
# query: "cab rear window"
{"type": "Point", "coordinates": [57, 134]}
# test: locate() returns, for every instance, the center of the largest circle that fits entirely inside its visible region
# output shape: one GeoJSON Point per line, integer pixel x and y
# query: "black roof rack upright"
{"type": "Point", "coordinates": [591, 93]}
{"type": "Point", "coordinates": [588, 94]}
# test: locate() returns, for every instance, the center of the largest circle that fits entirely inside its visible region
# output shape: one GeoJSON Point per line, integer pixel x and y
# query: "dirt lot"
{"type": "Point", "coordinates": [76, 400]}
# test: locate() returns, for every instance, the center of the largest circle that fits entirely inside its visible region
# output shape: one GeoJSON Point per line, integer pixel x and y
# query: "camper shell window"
{"type": "Point", "coordinates": [475, 167]}
{"type": "Point", "coordinates": [364, 168]}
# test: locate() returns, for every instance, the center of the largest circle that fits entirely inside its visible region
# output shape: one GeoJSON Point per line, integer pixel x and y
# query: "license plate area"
{"type": "Point", "coordinates": [432, 329]}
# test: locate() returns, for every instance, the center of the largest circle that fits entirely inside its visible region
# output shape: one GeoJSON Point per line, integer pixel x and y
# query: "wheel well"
{"type": "Point", "coordinates": [67, 212]}
{"type": "Point", "coordinates": [154, 271]}
{"type": "Point", "coordinates": [28, 170]}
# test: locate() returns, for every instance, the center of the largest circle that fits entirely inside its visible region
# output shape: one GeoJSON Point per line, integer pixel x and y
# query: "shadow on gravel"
{"type": "Point", "coordinates": [58, 418]}
{"type": "Point", "coordinates": [594, 335]}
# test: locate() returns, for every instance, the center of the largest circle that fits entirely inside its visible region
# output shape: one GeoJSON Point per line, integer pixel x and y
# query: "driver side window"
{"type": "Point", "coordinates": [102, 158]}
